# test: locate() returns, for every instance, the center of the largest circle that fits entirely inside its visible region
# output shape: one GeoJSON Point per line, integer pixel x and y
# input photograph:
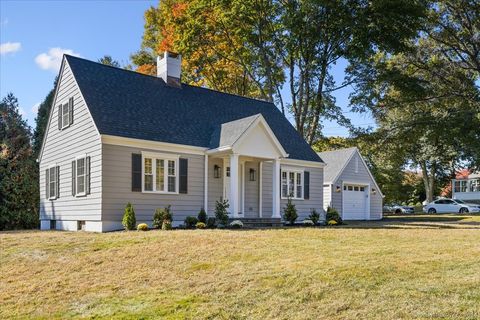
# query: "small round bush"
{"type": "Point", "coordinates": [160, 216]}
{"type": "Point", "coordinates": [142, 227]}
{"type": "Point", "coordinates": [200, 225]}
{"type": "Point", "coordinates": [211, 223]}
{"type": "Point", "coordinates": [332, 214]}
{"type": "Point", "coordinates": [167, 225]}
{"type": "Point", "coordinates": [190, 222]}
{"type": "Point", "coordinates": [332, 223]}
{"type": "Point", "coordinates": [236, 224]}
{"type": "Point", "coordinates": [308, 223]}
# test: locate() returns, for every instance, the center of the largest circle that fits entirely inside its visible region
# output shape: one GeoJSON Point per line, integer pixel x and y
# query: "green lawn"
{"type": "Point", "coordinates": [399, 268]}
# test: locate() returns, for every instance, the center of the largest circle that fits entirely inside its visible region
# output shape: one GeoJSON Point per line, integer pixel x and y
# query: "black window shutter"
{"type": "Point", "coordinates": [183, 186]}
{"type": "Point", "coordinates": [70, 110]}
{"type": "Point", "coordinates": [306, 183]}
{"type": "Point", "coordinates": [136, 172]}
{"type": "Point", "coordinates": [57, 194]}
{"type": "Point", "coordinates": [87, 175]}
{"type": "Point", "coordinates": [59, 117]}
{"type": "Point", "coordinates": [47, 184]}
{"type": "Point", "coordinates": [74, 175]}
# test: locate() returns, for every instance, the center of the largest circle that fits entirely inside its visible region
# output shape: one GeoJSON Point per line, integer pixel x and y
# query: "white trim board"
{"type": "Point", "coordinates": [153, 145]}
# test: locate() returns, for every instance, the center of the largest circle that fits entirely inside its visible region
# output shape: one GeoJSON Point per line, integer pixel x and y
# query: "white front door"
{"type": "Point", "coordinates": [354, 202]}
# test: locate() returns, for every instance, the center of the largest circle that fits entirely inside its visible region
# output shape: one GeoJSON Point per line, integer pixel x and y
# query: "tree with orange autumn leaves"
{"type": "Point", "coordinates": [280, 51]}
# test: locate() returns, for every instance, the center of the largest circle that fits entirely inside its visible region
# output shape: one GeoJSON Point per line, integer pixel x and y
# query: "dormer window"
{"type": "Point", "coordinates": [65, 114]}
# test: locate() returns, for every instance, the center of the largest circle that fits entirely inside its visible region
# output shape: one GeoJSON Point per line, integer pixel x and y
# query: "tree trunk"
{"type": "Point", "coordinates": [428, 180]}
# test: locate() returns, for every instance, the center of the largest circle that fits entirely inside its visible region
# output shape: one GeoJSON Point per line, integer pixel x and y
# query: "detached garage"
{"type": "Point", "coordinates": [349, 186]}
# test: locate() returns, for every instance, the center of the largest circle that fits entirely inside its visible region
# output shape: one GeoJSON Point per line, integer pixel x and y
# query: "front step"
{"type": "Point", "coordinates": [260, 222]}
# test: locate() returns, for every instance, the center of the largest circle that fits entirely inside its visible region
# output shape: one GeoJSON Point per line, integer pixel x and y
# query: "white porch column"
{"type": "Point", "coordinates": [205, 185]}
{"type": "Point", "coordinates": [233, 199]}
{"type": "Point", "coordinates": [276, 189]}
{"type": "Point", "coordinates": [260, 189]}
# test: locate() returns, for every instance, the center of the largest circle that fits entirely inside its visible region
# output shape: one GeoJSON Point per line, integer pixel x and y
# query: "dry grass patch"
{"type": "Point", "coordinates": [327, 273]}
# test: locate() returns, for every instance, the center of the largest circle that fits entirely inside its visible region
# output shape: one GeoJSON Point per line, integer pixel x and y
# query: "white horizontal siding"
{"type": "Point", "coordinates": [361, 177]}
{"type": "Point", "coordinates": [61, 148]}
{"type": "Point", "coordinates": [304, 207]}
{"type": "Point", "coordinates": [117, 187]}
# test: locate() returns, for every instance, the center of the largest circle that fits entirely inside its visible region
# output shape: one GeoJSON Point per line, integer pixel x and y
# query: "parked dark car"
{"type": "Point", "coordinates": [398, 209]}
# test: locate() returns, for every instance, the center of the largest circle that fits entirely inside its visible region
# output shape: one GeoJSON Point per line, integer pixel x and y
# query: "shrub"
{"type": "Point", "coordinates": [290, 212]}
{"type": "Point", "coordinates": [202, 216]}
{"type": "Point", "coordinates": [332, 222]}
{"type": "Point", "coordinates": [314, 216]}
{"type": "Point", "coordinates": [129, 221]}
{"type": "Point", "coordinates": [308, 223]}
{"type": "Point", "coordinates": [221, 213]}
{"type": "Point", "coordinates": [142, 227]}
{"type": "Point", "coordinates": [200, 225]}
{"type": "Point", "coordinates": [236, 224]}
{"type": "Point", "coordinates": [211, 223]}
{"type": "Point", "coordinates": [160, 216]}
{"type": "Point", "coordinates": [190, 222]}
{"type": "Point", "coordinates": [167, 225]}
{"type": "Point", "coordinates": [332, 214]}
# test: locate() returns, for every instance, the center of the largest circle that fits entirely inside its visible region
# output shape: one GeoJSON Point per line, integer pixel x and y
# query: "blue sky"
{"type": "Point", "coordinates": [34, 35]}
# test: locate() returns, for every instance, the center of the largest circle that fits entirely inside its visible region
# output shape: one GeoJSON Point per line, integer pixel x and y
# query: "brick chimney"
{"type": "Point", "coordinates": [169, 68]}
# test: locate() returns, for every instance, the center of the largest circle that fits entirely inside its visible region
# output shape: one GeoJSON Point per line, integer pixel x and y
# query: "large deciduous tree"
{"type": "Point", "coordinates": [426, 100]}
{"type": "Point", "coordinates": [281, 51]}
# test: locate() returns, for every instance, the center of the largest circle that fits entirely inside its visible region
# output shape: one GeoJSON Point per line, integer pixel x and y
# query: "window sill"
{"type": "Point", "coordinates": [51, 199]}
{"type": "Point", "coordinates": [283, 198]}
{"type": "Point", "coordinates": [160, 192]}
{"type": "Point", "coordinates": [80, 195]}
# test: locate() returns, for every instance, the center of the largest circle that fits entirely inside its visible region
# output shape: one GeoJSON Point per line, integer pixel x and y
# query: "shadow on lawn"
{"type": "Point", "coordinates": [419, 222]}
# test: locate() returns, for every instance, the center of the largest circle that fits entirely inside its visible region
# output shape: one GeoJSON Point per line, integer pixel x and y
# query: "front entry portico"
{"type": "Point", "coordinates": [251, 142]}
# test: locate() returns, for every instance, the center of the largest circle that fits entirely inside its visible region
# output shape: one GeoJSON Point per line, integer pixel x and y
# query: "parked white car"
{"type": "Point", "coordinates": [450, 206]}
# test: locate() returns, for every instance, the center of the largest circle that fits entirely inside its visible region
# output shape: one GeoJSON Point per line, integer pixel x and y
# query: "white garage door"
{"type": "Point", "coordinates": [354, 202]}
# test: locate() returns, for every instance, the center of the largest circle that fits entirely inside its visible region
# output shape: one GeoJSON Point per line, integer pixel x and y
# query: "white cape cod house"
{"type": "Point", "coordinates": [116, 136]}
{"type": "Point", "coordinates": [467, 189]}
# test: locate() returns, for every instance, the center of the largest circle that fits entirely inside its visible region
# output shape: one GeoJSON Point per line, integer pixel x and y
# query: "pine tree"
{"type": "Point", "coordinates": [18, 170]}
{"type": "Point", "coordinates": [129, 220]}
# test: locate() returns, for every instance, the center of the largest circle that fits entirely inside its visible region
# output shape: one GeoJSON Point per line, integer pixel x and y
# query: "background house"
{"type": "Point", "coordinates": [467, 189]}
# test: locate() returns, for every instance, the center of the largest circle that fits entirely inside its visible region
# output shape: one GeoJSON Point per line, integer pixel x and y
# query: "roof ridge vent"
{"type": "Point", "coordinates": [169, 68]}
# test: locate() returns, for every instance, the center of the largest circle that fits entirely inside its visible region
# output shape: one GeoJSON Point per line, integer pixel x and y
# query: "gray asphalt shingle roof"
{"type": "Point", "coordinates": [231, 131]}
{"type": "Point", "coordinates": [335, 160]}
{"type": "Point", "coordinates": [129, 104]}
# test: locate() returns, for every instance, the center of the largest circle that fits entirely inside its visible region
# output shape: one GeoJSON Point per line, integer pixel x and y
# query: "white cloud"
{"type": "Point", "coordinates": [52, 60]}
{"type": "Point", "coordinates": [35, 107]}
{"type": "Point", "coordinates": [10, 47]}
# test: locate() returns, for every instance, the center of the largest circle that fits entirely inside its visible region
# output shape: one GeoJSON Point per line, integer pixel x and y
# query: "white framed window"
{"type": "Point", "coordinates": [460, 186]}
{"type": "Point", "coordinates": [65, 115]}
{"type": "Point", "coordinates": [159, 173]}
{"type": "Point", "coordinates": [475, 185]}
{"type": "Point", "coordinates": [292, 184]}
{"type": "Point", "coordinates": [52, 182]}
{"type": "Point", "coordinates": [80, 175]}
